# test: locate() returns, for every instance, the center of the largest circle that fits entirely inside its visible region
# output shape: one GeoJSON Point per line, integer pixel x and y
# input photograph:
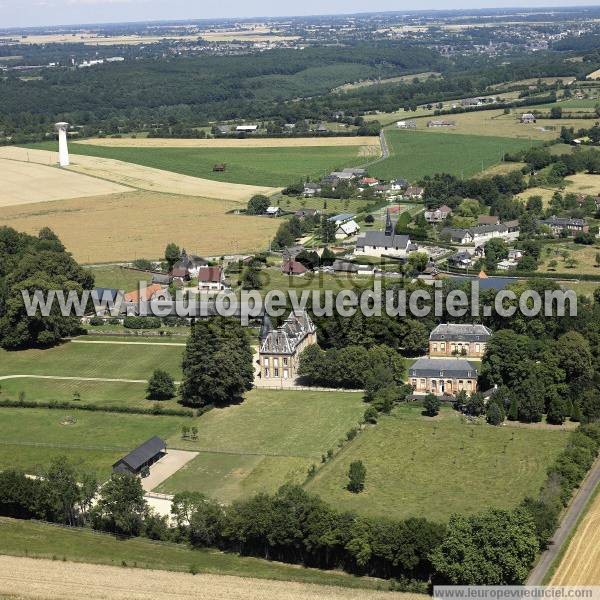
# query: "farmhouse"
{"type": "Point", "coordinates": [311, 189]}
{"type": "Point", "coordinates": [414, 192]}
{"type": "Point", "coordinates": [410, 124]}
{"type": "Point", "coordinates": [528, 118]}
{"type": "Point", "coordinates": [368, 182]}
{"type": "Point", "coordinates": [188, 265]}
{"type": "Point", "coordinates": [345, 266]}
{"type": "Point", "coordinates": [437, 215]}
{"type": "Point", "coordinates": [304, 213]}
{"type": "Point", "coordinates": [454, 339]}
{"type": "Point", "coordinates": [145, 293]}
{"type": "Point", "coordinates": [138, 461]}
{"type": "Point", "coordinates": [571, 226]}
{"type": "Point", "coordinates": [384, 243]}
{"type": "Point", "coordinates": [399, 184]}
{"type": "Point", "coordinates": [440, 123]}
{"type": "Point", "coordinates": [280, 348]}
{"type": "Point", "coordinates": [273, 211]}
{"type": "Point", "coordinates": [442, 376]}
{"type": "Point", "coordinates": [488, 220]}
{"type": "Point", "coordinates": [346, 230]}
{"type": "Point", "coordinates": [461, 260]}
{"type": "Point", "coordinates": [247, 128]}
{"type": "Point", "coordinates": [211, 278]}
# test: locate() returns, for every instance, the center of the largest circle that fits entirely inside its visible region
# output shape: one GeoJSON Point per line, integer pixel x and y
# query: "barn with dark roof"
{"type": "Point", "coordinates": [140, 459]}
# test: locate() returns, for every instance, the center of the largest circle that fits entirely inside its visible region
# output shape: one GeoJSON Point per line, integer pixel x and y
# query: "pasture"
{"type": "Point", "coordinates": [112, 361]}
{"type": "Point", "coordinates": [25, 183]}
{"type": "Point", "coordinates": [580, 565]}
{"type": "Point", "coordinates": [31, 437]}
{"type": "Point", "coordinates": [271, 438]}
{"type": "Point", "coordinates": [423, 467]}
{"type": "Point", "coordinates": [119, 278]}
{"type": "Point", "coordinates": [585, 257]}
{"type": "Point", "coordinates": [137, 176]}
{"type": "Point", "coordinates": [261, 168]}
{"type": "Point", "coordinates": [414, 154]}
{"type": "Point", "coordinates": [140, 224]}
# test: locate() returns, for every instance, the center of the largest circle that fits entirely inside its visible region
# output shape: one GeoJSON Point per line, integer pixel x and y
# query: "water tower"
{"type": "Point", "coordinates": [63, 147]}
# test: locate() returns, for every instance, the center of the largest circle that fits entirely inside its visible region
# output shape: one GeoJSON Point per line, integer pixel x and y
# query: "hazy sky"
{"type": "Point", "coordinates": [23, 13]}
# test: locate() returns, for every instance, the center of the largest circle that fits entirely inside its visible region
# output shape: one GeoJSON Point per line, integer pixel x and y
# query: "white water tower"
{"type": "Point", "coordinates": [63, 147]}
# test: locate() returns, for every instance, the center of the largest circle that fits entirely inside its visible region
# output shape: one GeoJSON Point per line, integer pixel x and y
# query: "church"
{"type": "Point", "coordinates": [384, 243]}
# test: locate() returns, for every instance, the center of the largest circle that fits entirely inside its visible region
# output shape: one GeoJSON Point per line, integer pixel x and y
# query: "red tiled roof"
{"type": "Point", "coordinates": [210, 274]}
{"type": "Point", "coordinates": [147, 294]}
{"type": "Point", "coordinates": [293, 267]}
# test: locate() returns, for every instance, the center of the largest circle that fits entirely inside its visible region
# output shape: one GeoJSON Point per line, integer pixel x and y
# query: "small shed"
{"type": "Point", "coordinates": [220, 168]}
{"type": "Point", "coordinates": [139, 460]}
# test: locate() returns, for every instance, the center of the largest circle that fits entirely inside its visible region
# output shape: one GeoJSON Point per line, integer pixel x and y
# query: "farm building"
{"type": "Point", "coordinates": [528, 118]}
{"type": "Point", "coordinates": [440, 123]}
{"type": "Point", "coordinates": [464, 339]}
{"type": "Point", "coordinates": [438, 214]}
{"type": "Point", "coordinates": [293, 267]}
{"type": "Point", "coordinates": [138, 461]}
{"type": "Point", "coordinates": [442, 376]}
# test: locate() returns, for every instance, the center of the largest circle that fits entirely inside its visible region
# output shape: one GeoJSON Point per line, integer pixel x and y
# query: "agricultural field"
{"type": "Point", "coordinates": [418, 466]}
{"type": "Point", "coordinates": [112, 361]}
{"type": "Point", "coordinates": [31, 437]}
{"type": "Point", "coordinates": [301, 142]}
{"type": "Point", "coordinates": [255, 166]}
{"type": "Point", "coordinates": [585, 257]}
{"type": "Point", "coordinates": [271, 438]}
{"type": "Point", "coordinates": [25, 183]}
{"type": "Point", "coordinates": [110, 228]}
{"type": "Point", "coordinates": [137, 176]}
{"type": "Point", "coordinates": [580, 564]}
{"type": "Point", "coordinates": [414, 154]}
{"type": "Point", "coordinates": [496, 124]}
{"type": "Point", "coordinates": [29, 579]}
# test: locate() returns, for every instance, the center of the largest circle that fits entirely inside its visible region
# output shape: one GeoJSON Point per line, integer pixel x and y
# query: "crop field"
{"type": "Point", "coordinates": [24, 183]}
{"type": "Point", "coordinates": [416, 154]}
{"type": "Point", "coordinates": [112, 361]}
{"type": "Point", "coordinates": [31, 437]}
{"type": "Point", "coordinates": [111, 228]}
{"type": "Point", "coordinates": [29, 579]}
{"type": "Point", "coordinates": [580, 564]}
{"type": "Point", "coordinates": [422, 467]}
{"type": "Point", "coordinates": [268, 440]}
{"type": "Point", "coordinates": [301, 142]}
{"type": "Point", "coordinates": [137, 176]}
{"type": "Point", "coordinates": [263, 168]}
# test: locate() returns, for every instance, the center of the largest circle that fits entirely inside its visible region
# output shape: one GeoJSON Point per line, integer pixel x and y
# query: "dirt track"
{"type": "Point", "coordinates": [27, 578]}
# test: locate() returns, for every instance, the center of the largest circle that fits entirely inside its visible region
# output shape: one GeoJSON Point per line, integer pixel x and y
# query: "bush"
{"type": "Point", "coordinates": [142, 323]}
{"type": "Point", "coordinates": [371, 415]}
{"type": "Point", "coordinates": [431, 405]}
{"type": "Point", "coordinates": [357, 474]}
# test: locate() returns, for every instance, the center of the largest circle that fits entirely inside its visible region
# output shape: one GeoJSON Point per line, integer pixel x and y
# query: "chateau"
{"type": "Point", "coordinates": [457, 339]}
{"type": "Point", "coordinates": [442, 376]}
{"type": "Point", "coordinates": [280, 348]}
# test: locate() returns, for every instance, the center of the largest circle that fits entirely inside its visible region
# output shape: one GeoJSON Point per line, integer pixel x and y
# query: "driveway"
{"type": "Point", "coordinates": [168, 465]}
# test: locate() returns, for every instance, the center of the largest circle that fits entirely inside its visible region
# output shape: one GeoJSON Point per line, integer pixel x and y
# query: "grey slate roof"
{"type": "Point", "coordinates": [381, 240]}
{"type": "Point", "coordinates": [142, 454]}
{"type": "Point", "coordinates": [555, 221]}
{"type": "Point", "coordinates": [430, 367]}
{"type": "Point", "coordinates": [285, 339]}
{"type": "Point", "coordinates": [466, 332]}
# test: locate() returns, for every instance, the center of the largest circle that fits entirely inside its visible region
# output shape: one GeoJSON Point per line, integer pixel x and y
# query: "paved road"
{"type": "Point", "coordinates": [574, 511]}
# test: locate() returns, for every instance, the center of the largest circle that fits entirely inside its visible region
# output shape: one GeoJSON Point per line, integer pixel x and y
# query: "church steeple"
{"type": "Point", "coordinates": [389, 227]}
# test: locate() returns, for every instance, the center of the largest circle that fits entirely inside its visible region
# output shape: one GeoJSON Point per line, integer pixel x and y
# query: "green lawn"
{"type": "Point", "coordinates": [417, 466]}
{"type": "Point", "coordinates": [255, 166]}
{"type": "Point", "coordinates": [118, 277]}
{"type": "Point", "coordinates": [271, 438]}
{"type": "Point", "coordinates": [30, 438]}
{"type": "Point", "coordinates": [39, 540]}
{"type": "Point", "coordinates": [414, 154]}
{"type": "Point", "coordinates": [111, 361]}
{"type": "Point", "coordinates": [100, 394]}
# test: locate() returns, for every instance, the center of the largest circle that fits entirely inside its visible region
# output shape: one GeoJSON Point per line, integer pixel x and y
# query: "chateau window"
{"type": "Point", "coordinates": [276, 372]}
{"type": "Point", "coordinates": [275, 362]}
{"type": "Point", "coordinates": [285, 374]}
{"type": "Point", "coordinates": [443, 346]}
{"type": "Point", "coordinates": [285, 362]}
{"type": "Point", "coordinates": [435, 347]}
{"type": "Point", "coordinates": [267, 372]}
{"type": "Point", "coordinates": [477, 348]}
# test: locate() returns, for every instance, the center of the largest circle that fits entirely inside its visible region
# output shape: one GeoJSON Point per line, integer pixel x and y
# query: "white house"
{"type": "Point", "coordinates": [346, 230]}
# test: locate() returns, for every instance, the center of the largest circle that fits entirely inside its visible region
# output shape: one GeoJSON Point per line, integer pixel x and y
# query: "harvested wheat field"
{"type": "Point", "coordinates": [144, 178]}
{"type": "Point", "coordinates": [23, 183]}
{"type": "Point", "coordinates": [581, 563]}
{"type": "Point", "coordinates": [140, 224]}
{"type": "Point", "coordinates": [233, 143]}
{"type": "Point", "coordinates": [28, 578]}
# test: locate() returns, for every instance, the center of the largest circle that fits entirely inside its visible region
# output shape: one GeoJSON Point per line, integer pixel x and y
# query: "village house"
{"type": "Point", "coordinates": [346, 266]}
{"type": "Point", "coordinates": [368, 182]}
{"type": "Point", "coordinates": [409, 124]}
{"type": "Point", "coordinates": [280, 348]}
{"type": "Point", "coordinates": [488, 220]}
{"type": "Point", "coordinates": [211, 279]}
{"type": "Point", "coordinates": [414, 192]}
{"type": "Point", "coordinates": [346, 230]}
{"type": "Point", "coordinates": [438, 215]}
{"type": "Point", "coordinates": [559, 224]}
{"type": "Point", "coordinates": [305, 213]}
{"type": "Point", "coordinates": [442, 376]}
{"type": "Point", "coordinates": [293, 267]}
{"type": "Point", "coordinates": [311, 189]}
{"type": "Point", "coordinates": [145, 294]}
{"type": "Point", "coordinates": [480, 234]}
{"type": "Point", "coordinates": [273, 211]}
{"type": "Point", "coordinates": [187, 266]}
{"type": "Point", "coordinates": [461, 260]}
{"type": "Point", "coordinates": [458, 339]}
{"type": "Point", "coordinates": [356, 171]}
{"type": "Point", "coordinates": [384, 243]}
{"type": "Point", "coordinates": [399, 184]}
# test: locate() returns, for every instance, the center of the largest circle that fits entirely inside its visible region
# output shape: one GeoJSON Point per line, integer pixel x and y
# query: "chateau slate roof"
{"type": "Point", "coordinates": [430, 367]}
{"type": "Point", "coordinates": [460, 332]}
